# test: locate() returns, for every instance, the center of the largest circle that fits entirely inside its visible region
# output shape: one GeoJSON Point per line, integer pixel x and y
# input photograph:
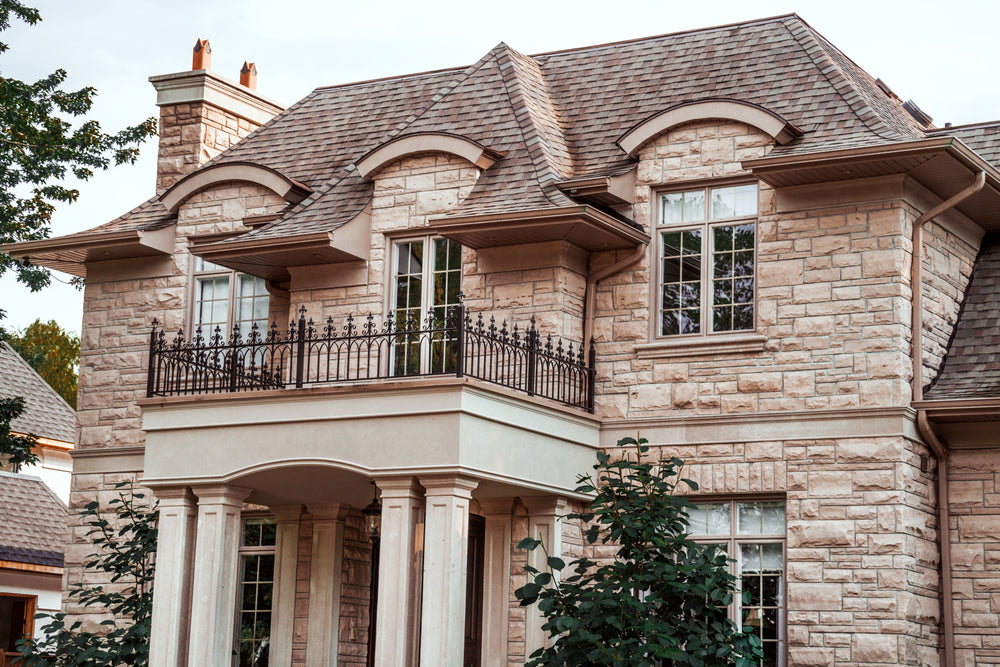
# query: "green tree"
{"type": "Point", "coordinates": [125, 546]}
{"type": "Point", "coordinates": [662, 600]}
{"type": "Point", "coordinates": [45, 137]}
{"type": "Point", "coordinates": [54, 354]}
{"type": "Point", "coordinates": [15, 450]}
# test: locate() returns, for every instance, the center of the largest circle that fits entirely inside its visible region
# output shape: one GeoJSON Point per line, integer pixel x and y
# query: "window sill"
{"type": "Point", "coordinates": [698, 347]}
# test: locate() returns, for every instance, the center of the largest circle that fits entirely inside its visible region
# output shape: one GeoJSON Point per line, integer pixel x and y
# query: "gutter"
{"type": "Point", "coordinates": [594, 278]}
{"type": "Point", "coordinates": [923, 424]}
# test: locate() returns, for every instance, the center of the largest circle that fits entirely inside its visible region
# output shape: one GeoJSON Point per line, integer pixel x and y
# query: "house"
{"type": "Point", "coordinates": [785, 269]}
{"type": "Point", "coordinates": [33, 505]}
{"type": "Point", "coordinates": [46, 416]}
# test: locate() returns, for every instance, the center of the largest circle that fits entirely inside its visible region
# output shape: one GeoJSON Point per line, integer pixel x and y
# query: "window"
{"type": "Point", "coordinates": [753, 534]}
{"type": "Point", "coordinates": [707, 257]}
{"type": "Point", "coordinates": [223, 298]}
{"type": "Point", "coordinates": [253, 617]}
{"type": "Point", "coordinates": [426, 281]}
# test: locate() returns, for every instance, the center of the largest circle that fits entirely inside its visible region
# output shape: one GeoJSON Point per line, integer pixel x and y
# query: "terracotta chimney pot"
{"type": "Point", "coordinates": [202, 55]}
{"type": "Point", "coordinates": [248, 75]}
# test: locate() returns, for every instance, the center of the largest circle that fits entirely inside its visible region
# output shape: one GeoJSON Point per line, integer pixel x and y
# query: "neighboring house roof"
{"type": "Point", "coordinates": [556, 116]}
{"type": "Point", "coordinates": [971, 367]}
{"type": "Point", "coordinates": [32, 521]}
{"type": "Point", "coordinates": [46, 414]}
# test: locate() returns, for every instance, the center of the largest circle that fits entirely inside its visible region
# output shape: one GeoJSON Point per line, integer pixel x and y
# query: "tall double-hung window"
{"type": "Point", "coordinates": [223, 297]}
{"type": "Point", "coordinates": [707, 259]}
{"type": "Point", "coordinates": [427, 278]}
{"type": "Point", "coordinates": [752, 533]}
{"type": "Point", "coordinates": [256, 589]}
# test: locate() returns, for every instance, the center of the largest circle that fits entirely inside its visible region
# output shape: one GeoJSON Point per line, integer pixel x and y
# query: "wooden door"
{"type": "Point", "coordinates": [474, 592]}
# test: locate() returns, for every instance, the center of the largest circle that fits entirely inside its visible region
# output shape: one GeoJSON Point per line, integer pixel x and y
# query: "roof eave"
{"type": "Point", "coordinates": [70, 254]}
{"type": "Point", "coordinates": [584, 226]}
{"type": "Point", "coordinates": [961, 409]}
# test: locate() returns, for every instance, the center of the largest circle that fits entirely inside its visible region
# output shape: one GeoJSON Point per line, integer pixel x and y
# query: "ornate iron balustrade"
{"type": "Point", "coordinates": [452, 343]}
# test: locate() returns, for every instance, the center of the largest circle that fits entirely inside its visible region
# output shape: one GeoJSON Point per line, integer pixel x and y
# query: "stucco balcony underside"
{"type": "Point", "coordinates": [325, 444]}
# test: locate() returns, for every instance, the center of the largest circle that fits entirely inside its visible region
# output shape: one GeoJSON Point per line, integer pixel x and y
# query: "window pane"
{"type": "Point", "coordinates": [734, 202]}
{"type": "Point", "coordinates": [748, 518]}
{"type": "Point", "coordinates": [690, 321]}
{"type": "Point", "coordinates": [761, 518]}
{"type": "Point", "coordinates": [694, 206]}
{"type": "Point", "coordinates": [709, 519]}
{"type": "Point", "coordinates": [692, 242]}
{"type": "Point", "coordinates": [773, 518]}
{"type": "Point", "coordinates": [671, 207]}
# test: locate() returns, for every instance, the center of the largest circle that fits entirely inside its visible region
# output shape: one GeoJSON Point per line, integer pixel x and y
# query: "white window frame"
{"type": "Point", "coordinates": [245, 551]}
{"type": "Point", "coordinates": [427, 287]}
{"type": "Point", "coordinates": [731, 543]}
{"type": "Point", "coordinates": [234, 295]}
{"type": "Point", "coordinates": [705, 225]}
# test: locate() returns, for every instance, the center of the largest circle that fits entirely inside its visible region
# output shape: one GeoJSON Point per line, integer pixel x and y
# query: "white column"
{"type": "Point", "coordinates": [496, 587]}
{"type": "Point", "coordinates": [216, 575]}
{"type": "Point", "coordinates": [544, 523]}
{"type": "Point", "coordinates": [446, 544]}
{"type": "Point", "coordinates": [400, 558]}
{"type": "Point", "coordinates": [286, 563]}
{"type": "Point", "coordinates": [325, 577]}
{"type": "Point", "coordinates": [168, 640]}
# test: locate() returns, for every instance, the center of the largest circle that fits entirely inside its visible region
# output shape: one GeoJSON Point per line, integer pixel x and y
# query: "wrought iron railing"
{"type": "Point", "coordinates": [447, 343]}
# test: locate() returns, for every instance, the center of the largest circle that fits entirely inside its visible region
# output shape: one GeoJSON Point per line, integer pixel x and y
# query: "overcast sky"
{"type": "Point", "coordinates": [936, 53]}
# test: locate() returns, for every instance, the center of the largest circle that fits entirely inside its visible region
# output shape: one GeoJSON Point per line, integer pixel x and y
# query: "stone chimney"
{"type": "Point", "coordinates": [202, 114]}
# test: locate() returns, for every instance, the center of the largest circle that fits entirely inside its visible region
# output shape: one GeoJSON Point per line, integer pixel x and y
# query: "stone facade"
{"type": "Point", "coordinates": [975, 534]}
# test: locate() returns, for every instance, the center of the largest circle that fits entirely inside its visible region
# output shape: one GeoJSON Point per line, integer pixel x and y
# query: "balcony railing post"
{"type": "Point", "coordinates": [233, 353]}
{"type": "Point", "coordinates": [532, 342]}
{"type": "Point", "coordinates": [591, 377]}
{"type": "Point", "coordinates": [459, 323]}
{"type": "Point", "coordinates": [300, 349]}
{"type": "Point", "coordinates": [150, 372]}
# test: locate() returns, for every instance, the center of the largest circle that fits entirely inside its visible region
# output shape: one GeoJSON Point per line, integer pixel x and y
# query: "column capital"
{"type": "Point", "coordinates": [545, 505]}
{"type": "Point", "coordinates": [175, 496]}
{"type": "Point", "coordinates": [398, 487]}
{"type": "Point", "coordinates": [449, 485]}
{"type": "Point", "coordinates": [496, 506]}
{"type": "Point", "coordinates": [286, 513]}
{"type": "Point", "coordinates": [328, 512]}
{"type": "Point", "coordinates": [221, 494]}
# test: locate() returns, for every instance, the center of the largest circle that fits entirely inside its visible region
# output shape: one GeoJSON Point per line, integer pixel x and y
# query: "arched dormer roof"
{"type": "Point", "coordinates": [287, 188]}
{"type": "Point", "coordinates": [729, 109]}
{"type": "Point", "coordinates": [426, 142]}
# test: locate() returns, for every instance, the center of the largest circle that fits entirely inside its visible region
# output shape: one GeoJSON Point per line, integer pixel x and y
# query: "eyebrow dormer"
{"type": "Point", "coordinates": [754, 115]}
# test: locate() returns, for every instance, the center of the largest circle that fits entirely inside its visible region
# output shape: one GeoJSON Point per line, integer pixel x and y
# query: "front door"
{"type": "Point", "coordinates": [474, 593]}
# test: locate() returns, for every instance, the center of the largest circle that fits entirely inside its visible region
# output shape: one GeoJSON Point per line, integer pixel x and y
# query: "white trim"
{"type": "Point", "coordinates": [431, 142]}
{"type": "Point", "coordinates": [769, 122]}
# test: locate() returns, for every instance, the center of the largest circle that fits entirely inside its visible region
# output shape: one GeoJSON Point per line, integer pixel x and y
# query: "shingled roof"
{"type": "Point", "coordinates": [558, 116]}
{"type": "Point", "coordinates": [32, 521]}
{"type": "Point", "coordinates": [45, 414]}
{"type": "Point", "coordinates": [971, 368]}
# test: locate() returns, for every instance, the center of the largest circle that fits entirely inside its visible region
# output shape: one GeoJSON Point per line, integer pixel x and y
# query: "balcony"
{"type": "Point", "coordinates": [457, 344]}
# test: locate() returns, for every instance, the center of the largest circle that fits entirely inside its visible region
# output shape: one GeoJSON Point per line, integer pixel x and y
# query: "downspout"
{"type": "Point", "coordinates": [923, 425]}
{"type": "Point", "coordinates": [597, 276]}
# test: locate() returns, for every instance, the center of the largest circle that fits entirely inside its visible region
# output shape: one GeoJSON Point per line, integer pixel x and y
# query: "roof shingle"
{"type": "Point", "coordinates": [45, 414]}
{"type": "Point", "coordinates": [32, 521]}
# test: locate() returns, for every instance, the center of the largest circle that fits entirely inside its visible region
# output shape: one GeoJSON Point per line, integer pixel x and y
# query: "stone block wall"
{"type": "Point", "coordinates": [975, 534]}
{"type": "Point", "coordinates": [948, 261]}
{"type": "Point", "coordinates": [192, 134]}
{"type": "Point", "coordinates": [861, 557]}
{"type": "Point", "coordinates": [832, 302]}
{"type": "Point", "coordinates": [355, 593]}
